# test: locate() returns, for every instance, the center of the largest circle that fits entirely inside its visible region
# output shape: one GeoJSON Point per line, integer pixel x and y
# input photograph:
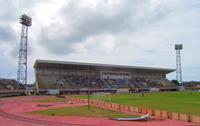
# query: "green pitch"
{"type": "Point", "coordinates": [81, 111]}
{"type": "Point", "coordinates": [183, 102]}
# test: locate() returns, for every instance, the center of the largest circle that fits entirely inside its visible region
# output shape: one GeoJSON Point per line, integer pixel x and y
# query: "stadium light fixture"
{"type": "Point", "coordinates": [178, 47]}
{"type": "Point", "coordinates": [26, 21]}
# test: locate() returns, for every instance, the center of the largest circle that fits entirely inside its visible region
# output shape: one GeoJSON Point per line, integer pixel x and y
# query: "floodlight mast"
{"type": "Point", "coordinates": [26, 21]}
{"type": "Point", "coordinates": [178, 47]}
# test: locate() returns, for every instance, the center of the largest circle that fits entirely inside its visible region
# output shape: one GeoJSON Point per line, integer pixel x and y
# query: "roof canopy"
{"type": "Point", "coordinates": [95, 66]}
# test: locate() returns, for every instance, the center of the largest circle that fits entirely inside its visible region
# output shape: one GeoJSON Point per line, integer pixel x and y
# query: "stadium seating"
{"type": "Point", "coordinates": [94, 82]}
{"type": "Point", "coordinates": [10, 84]}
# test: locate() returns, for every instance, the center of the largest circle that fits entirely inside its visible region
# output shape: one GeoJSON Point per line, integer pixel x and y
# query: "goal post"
{"type": "Point", "coordinates": [102, 96]}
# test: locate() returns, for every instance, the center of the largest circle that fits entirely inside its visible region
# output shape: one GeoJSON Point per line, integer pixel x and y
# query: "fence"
{"type": "Point", "coordinates": [141, 110]}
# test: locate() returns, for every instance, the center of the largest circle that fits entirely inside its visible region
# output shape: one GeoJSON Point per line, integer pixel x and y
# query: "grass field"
{"type": "Point", "coordinates": [183, 102]}
{"type": "Point", "coordinates": [81, 111]}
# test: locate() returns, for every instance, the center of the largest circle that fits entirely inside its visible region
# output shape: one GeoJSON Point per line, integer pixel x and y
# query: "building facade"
{"type": "Point", "coordinates": [76, 75]}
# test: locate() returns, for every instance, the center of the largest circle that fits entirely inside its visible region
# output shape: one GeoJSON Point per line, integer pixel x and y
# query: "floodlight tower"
{"type": "Point", "coordinates": [26, 21]}
{"type": "Point", "coordinates": [178, 47]}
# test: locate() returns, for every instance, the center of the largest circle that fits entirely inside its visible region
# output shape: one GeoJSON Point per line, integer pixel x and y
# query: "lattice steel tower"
{"type": "Point", "coordinates": [26, 21]}
{"type": "Point", "coordinates": [178, 47]}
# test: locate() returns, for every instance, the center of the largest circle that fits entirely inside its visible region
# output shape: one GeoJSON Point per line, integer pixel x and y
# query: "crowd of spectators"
{"type": "Point", "coordinates": [140, 82]}
{"type": "Point", "coordinates": [95, 82]}
{"type": "Point", "coordinates": [72, 81]}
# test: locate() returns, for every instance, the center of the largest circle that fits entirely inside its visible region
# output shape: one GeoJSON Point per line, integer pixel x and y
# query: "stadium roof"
{"type": "Point", "coordinates": [58, 64]}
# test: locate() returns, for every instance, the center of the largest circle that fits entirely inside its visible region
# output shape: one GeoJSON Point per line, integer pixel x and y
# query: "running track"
{"type": "Point", "coordinates": [13, 113]}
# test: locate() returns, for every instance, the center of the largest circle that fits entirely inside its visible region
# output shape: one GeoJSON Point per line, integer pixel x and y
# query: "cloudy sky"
{"type": "Point", "coordinates": [127, 32]}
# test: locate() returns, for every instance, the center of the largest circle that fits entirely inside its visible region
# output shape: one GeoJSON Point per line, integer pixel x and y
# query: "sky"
{"type": "Point", "coordinates": [123, 32]}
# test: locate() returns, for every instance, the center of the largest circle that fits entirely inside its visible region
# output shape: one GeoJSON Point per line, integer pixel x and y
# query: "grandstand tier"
{"type": "Point", "coordinates": [75, 75]}
{"type": "Point", "coordinates": [10, 84]}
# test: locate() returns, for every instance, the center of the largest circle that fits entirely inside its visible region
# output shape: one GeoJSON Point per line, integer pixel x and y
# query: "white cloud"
{"type": "Point", "coordinates": [129, 32]}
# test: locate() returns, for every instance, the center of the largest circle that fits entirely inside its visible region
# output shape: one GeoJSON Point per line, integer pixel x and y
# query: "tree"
{"type": "Point", "coordinates": [175, 82]}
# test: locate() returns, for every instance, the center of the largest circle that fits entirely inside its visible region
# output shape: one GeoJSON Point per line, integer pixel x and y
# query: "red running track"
{"type": "Point", "coordinates": [13, 112]}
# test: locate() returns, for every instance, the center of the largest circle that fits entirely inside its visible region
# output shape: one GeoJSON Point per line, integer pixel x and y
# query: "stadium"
{"type": "Point", "coordinates": [76, 93]}
{"type": "Point", "coordinates": [69, 76]}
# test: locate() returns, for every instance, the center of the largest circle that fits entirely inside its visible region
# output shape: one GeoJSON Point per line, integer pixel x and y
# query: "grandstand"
{"type": "Point", "coordinates": [65, 75]}
{"type": "Point", "coordinates": [10, 84]}
{"type": "Point", "coordinates": [10, 87]}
